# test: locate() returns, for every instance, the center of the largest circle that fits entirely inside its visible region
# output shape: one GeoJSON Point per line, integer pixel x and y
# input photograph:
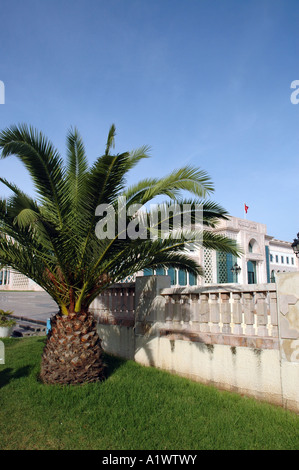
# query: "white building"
{"type": "Point", "coordinates": [262, 257]}
{"type": "Point", "coordinates": [13, 280]}
{"type": "Point", "coordinates": [282, 258]}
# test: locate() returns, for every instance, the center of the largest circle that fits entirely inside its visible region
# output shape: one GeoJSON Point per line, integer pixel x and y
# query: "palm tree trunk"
{"type": "Point", "coordinates": [73, 352]}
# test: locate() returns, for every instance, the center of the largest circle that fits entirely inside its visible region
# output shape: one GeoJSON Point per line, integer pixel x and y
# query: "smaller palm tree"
{"type": "Point", "coordinates": [54, 238]}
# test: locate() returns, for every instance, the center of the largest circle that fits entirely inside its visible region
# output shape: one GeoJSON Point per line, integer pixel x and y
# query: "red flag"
{"type": "Point", "coordinates": [246, 208]}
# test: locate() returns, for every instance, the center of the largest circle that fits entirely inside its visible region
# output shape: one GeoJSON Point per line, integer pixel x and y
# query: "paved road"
{"type": "Point", "coordinates": [37, 306]}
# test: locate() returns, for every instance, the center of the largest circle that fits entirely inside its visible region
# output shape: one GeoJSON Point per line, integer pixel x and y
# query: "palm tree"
{"type": "Point", "coordinates": [54, 237]}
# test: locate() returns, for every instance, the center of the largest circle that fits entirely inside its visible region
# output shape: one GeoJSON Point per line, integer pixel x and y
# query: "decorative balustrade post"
{"type": "Point", "coordinates": [249, 313]}
{"type": "Point", "coordinates": [131, 300]}
{"type": "Point", "coordinates": [186, 310]}
{"type": "Point", "coordinates": [113, 301]}
{"type": "Point", "coordinates": [119, 299]}
{"type": "Point", "coordinates": [225, 313]}
{"type": "Point", "coordinates": [194, 314]}
{"type": "Point", "coordinates": [237, 314]}
{"type": "Point", "coordinates": [168, 310]}
{"type": "Point", "coordinates": [125, 300]}
{"type": "Point", "coordinates": [273, 313]}
{"type": "Point", "coordinates": [262, 314]}
{"type": "Point", "coordinates": [204, 313]}
{"type": "Point", "coordinates": [215, 313]}
{"type": "Point", "coordinates": [106, 295]}
{"type": "Point", "coordinates": [177, 310]}
{"type": "Point", "coordinates": [109, 301]}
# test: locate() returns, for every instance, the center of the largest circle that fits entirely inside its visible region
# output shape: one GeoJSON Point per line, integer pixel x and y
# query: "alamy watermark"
{"type": "Point", "coordinates": [162, 221]}
{"type": "Point", "coordinates": [295, 95]}
{"type": "Point", "coordinates": [2, 92]}
{"type": "Point", "coordinates": [2, 353]}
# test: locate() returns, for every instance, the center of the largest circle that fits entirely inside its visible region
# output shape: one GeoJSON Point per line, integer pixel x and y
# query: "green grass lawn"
{"type": "Point", "coordinates": [136, 408]}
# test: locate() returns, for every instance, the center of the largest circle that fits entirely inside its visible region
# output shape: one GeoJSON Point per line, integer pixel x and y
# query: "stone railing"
{"type": "Point", "coordinates": [116, 305]}
{"type": "Point", "coordinates": [224, 311]}
{"type": "Point", "coordinates": [238, 337]}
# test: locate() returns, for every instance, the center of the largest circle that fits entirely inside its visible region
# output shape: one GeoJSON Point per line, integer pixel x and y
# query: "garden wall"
{"type": "Point", "coordinates": [242, 338]}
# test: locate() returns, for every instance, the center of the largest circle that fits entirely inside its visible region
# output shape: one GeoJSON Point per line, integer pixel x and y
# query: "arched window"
{"type": "Point", "coordinates": [253, 246]}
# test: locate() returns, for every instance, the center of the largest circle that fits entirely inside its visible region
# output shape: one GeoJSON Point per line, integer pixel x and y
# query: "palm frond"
{"type": "Point", "coordinates": [189, 179]}
{"type": "Point", "coordinates": [42, 161]}
{"type": "Point", "coordinates": [218, 242]}
{"type": "Point", "coordinates": [53, 239]}
{"type": "Point", "coordinates": [110, 139]}
{"type": "Point", "coordinates": [76, 165]}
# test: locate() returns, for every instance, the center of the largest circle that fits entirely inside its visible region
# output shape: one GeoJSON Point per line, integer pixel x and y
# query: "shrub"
{"type": "Point", "coordinates": [5, 320]}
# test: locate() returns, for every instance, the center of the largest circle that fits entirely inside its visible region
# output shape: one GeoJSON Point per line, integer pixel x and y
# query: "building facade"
{"type": "Point", "coordinates": [282, 258]}
{"type": "Point", "coordinates": [262, 257]}
{"type": "Point", "coordinates": [13, 280]}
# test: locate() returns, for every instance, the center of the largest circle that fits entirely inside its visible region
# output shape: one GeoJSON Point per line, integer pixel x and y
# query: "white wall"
{"type": "Point", "coordinates": [263, 367]}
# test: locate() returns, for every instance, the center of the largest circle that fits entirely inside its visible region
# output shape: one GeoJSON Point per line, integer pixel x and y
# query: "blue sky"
{"type": "Point", "coordinates": [202, 82]}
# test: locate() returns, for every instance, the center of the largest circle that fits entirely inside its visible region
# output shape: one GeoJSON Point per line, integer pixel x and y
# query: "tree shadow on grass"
{"type": "Point", "coordinates": [9, 374]}
{"type": "Point", "coordinates": [112, 363]}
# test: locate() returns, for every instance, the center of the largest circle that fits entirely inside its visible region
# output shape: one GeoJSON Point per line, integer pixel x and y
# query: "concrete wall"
{"type": "Point", "coordinates": [249, 371]}
{"type": "Point", "coordinates": [234, 337]}
{"type": "Point", "coordinates": [288, 316]}
{"type": "Point", "coordinates": [118, 340]}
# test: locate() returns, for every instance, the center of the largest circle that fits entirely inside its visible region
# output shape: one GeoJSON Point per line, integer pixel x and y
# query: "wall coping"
{"type": "Point", "coordinates": [215, 288]}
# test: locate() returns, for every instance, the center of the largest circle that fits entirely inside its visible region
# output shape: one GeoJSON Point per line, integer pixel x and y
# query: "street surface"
{"type": "Point", "coordinates": [37, 306]}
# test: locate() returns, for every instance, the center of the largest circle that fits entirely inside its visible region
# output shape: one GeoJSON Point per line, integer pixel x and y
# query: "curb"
{"type": "Point", "coordinates": [31, 320]}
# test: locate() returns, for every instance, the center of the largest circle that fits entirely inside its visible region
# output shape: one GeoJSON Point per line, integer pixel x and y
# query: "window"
{"type": "Point", "coordinates": [292, 260]}
{"type": "Point", "coordinates": [182, 277]}
{"type": "Point", "coordinates": [271, 258]}
{"type": "Point", "coordinates": [282, 259]}
{"type": "Point", "coordinates": [251, 272]}
{"type": "Point", "coordinates": [148, 272]}
{"type": "Point", "coordinates": [173, 275]}
{"type": "Point", "coordinates": [4, 277]}
{"type": "Point", "coordinates": [160, 272]}
{"type": "Point", "coordinates": [192, 280]}
{"type": "Point", "coordinates": [276, 258]}
{"type": "Point", "coordinates": [287, 259]}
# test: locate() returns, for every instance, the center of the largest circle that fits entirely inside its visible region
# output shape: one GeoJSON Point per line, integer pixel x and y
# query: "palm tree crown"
{"type": "Point", "coordinates": [53, 238]}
